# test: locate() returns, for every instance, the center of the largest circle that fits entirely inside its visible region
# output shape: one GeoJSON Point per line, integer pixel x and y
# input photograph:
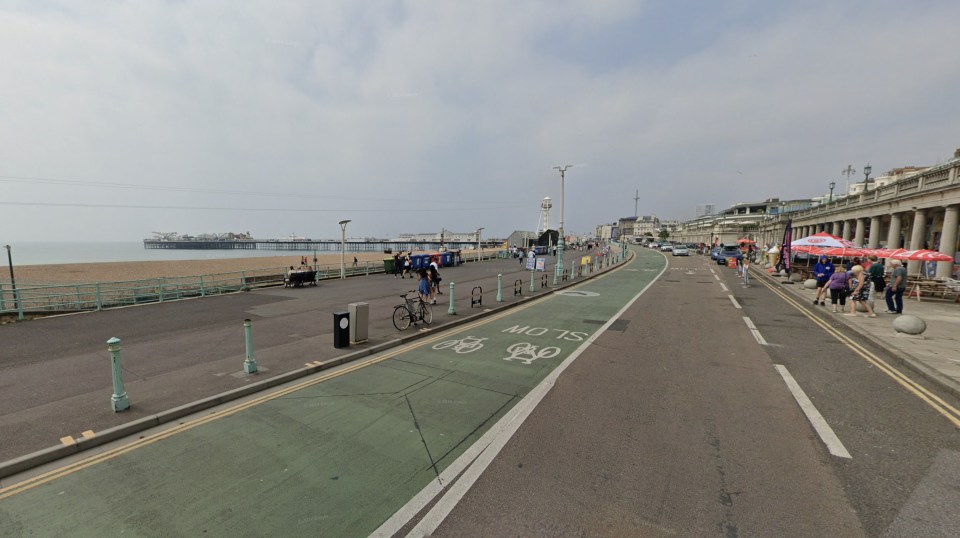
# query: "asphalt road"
{"type": "Point", "coordinates": [680, 425]}
{"type": "Point", "coordinates": [630, 405]}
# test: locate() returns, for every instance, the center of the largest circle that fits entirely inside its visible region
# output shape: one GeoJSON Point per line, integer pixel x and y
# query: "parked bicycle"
{"type": "Point", "coordinates": [411, 311]}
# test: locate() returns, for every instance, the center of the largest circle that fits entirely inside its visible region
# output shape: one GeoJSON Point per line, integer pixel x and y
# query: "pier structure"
{"type": "Point", "coordinates": [324, 245]}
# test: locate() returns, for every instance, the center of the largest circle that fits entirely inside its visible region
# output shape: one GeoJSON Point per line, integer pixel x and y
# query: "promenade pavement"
{"type": "Point", "coordinates": [180, 357]}
{"type": "Point", "coordinates": [935, 354]}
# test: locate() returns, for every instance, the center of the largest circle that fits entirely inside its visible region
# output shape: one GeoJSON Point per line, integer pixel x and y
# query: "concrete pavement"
{"type": "Point", "coordinates": [182, 356]}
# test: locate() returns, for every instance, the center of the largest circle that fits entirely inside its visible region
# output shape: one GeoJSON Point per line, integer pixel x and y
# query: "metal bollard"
{"type": "Point", "coordinates": [543, 281]}
{"type": "Point", "coordinates": [532, 287]}
{"type": "Point", "coordinates": [476, 297]}
{"type": "Point", "coordinates": [119, 400]}
{"type": "Point", "coordinates": [500, 288]}
{"type": "Point", "coordinates": [573, 268]}
{"type": "Point", "coordinates": [517, 287]}
{"type": "Point", "coordinates": [250, 363]}
{"type": "Point", "coordinates": [452, 311]}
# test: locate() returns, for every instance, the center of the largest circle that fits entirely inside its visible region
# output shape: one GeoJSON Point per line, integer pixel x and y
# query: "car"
{"type": "Point", "coordinates": [728, 252]}
{"type": "Point", "coordinates": [714, 252]}
{"type": "Point", "coordinates": [681, 250]}
{"type": "Point", "coordinates": [666, 247]}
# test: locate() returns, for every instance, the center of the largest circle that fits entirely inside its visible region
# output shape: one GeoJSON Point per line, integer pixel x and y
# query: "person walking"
{"type": "Point", "coordinates": [822, 271]}
{"type": "Point", "coordinates": [406, 266]}
{"type": "Point", "coordinates": [896, 287]}
{"type": "Point", "coordinates": [397, 265]}
{"type": "Point", "coordinates": [875, 277]}
{"type": "Point", "coordinates": [435, 279]}
{"type": "Point", "coordinates": [424, 287]}
{"type": "Point", "coordinates": [860, 288]}
{"type": "Point", "coordinates": [838, 284]}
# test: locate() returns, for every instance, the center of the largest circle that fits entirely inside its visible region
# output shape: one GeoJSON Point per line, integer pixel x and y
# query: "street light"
{"type": "Point", "coordinates": [343, 237]}
{"type": "Point", "coordinates": [479, 248]}
{"type": "Point", "coordinates": [559, 267]}
{"type": "Point", "coordinates": [866, 175]}
{"type": "Point", "coordinates": [832, 185]}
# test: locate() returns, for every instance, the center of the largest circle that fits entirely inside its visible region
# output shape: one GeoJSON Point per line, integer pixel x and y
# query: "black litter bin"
{"type": "Point", "coordinates": [341, 329]}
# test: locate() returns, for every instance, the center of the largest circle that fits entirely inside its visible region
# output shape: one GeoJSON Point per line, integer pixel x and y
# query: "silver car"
{"type": "Point", "coordinates": [681, 250]}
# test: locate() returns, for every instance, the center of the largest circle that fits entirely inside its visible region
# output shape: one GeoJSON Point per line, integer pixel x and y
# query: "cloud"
{"type": "Point", "coordinates": [448, 114]}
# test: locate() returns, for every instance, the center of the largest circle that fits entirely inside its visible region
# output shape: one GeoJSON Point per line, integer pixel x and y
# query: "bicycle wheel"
{"type": "Point", "coordinates": [401, 317]}
{"type": "Point", "coordinates": [426, 314]}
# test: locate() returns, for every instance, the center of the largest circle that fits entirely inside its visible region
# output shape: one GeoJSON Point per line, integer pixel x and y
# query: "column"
{"type": "Point", "coordinates": [874, 240]}
{"type": "Point", "coordinates": [893, 234]}
{"type": "Point", "coordinates": [916, 238]}
{"type": "Point", "coordinates": [861, 230]}
{"type": "Point", "coordinates": [834, 228]}
{"type": "Point", "coordinates": [847, 232]}
{"type": "Point", "coordinates": [948, 240]}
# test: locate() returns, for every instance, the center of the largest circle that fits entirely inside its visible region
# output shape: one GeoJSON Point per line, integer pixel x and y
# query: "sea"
{"type": "Point", "coordinates": [43, 253]}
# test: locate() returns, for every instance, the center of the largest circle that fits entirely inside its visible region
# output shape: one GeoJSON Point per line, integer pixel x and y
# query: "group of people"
{"type": "Point", "coordinates": [429, 277]}
{"type": "Point", "coordinates": [862, 283]}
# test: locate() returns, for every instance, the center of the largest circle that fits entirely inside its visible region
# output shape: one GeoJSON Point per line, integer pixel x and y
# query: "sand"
{"type": "Point", "coordinates": [72, 273]}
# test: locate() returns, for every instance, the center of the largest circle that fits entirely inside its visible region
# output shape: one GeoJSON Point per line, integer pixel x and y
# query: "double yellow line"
{"type": "Point", "coordinates": [951, 413]}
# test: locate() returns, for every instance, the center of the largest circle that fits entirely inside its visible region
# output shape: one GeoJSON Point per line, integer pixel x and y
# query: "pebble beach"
{"type": "Point", "coordinates": [75, 273]}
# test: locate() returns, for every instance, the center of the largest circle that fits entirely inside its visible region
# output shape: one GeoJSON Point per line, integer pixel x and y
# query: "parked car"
{"type": "Point", "coordinates": [728, 252]}
{"type": "Point", "coordinates": [666, 247]}
{"type": "Point", "coordinates": [681, 250]}
{"type": "Point", "coordinates": [714, 252]}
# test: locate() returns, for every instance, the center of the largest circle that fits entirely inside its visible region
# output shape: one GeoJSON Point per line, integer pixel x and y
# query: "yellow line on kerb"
{"type": "Point", "coordinates": [951, 413]}
{"type": "Point", "coordinates": [140, 443]}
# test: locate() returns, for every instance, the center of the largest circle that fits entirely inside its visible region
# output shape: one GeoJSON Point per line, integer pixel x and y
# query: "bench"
{"type": "Point", "coordinates": [262, 280]}
{"type": "Point", "coordinates": [297, 279]}
{"type": "Point", "coordinates": [933, 288]}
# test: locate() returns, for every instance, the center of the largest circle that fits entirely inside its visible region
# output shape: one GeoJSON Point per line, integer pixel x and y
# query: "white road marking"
{"type": "Point", "coordinates": [476, 458]}
{"type": "Point", "coordinates": [724, 286]}
{"type": "Point", "coordinates": [816, 419]}
{"type": "Point", "coordinates": [753, 330]}
{"type": "Point", "coordinates": [716, 276]}
{"type": "Point", "coordinates": [734, 301]}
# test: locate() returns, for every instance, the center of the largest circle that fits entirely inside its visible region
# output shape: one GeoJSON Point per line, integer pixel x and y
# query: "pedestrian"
{"type": "Point", "coordinates": [822, 271]}
{"type": "Point", "coordinates": [397, 265]}
{"type": "Point", "coordinates": [898, 284]}
{"type": "Point", "coordinates": [406, 266]}
{"type": "Point", "coordinates": [838, 284]}
{"type": "Point", "coordinates": [875, 273]}
{"type": "Point", "coordinates": [435, 276]}
{"type": "Point", "coordinates": [521, 256]}
{"type": "Point", "coordinates": [424, 287]}
{"type": "Point", "coordinates": [354, 261]}
{"type": "Point", "coordinates": [859, 290]}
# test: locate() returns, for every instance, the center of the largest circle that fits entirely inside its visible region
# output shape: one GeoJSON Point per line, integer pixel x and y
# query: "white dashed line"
{"type": "Point", "coordinates": [816, 419]}
{"type": "Point", "coordinates": [753, 330]}
{"type": "Point", "coordinates": [734, 301]}
{"type": "Point", "coordinates": [724, 286]}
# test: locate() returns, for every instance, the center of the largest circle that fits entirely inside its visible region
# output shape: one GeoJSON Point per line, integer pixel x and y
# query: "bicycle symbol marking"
{"type": "Point", "coordinates": [527, 353]}
{"type": "Point", "coordinates": [464, 345]}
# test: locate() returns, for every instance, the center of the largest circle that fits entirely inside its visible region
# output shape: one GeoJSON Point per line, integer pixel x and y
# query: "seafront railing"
{"type": "Point", "coordinates": [35, 300]}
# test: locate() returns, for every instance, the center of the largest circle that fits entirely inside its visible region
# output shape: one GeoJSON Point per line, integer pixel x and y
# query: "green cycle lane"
{"type": "Point", "coordinates": [330, 458]}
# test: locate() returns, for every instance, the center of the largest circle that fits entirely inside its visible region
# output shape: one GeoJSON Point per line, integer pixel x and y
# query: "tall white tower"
{"type": "Point", "coordinates": [544, 223]}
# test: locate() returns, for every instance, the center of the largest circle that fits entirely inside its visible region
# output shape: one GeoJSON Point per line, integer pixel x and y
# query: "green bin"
{"type": "Point", "coordinates": [388, 265]}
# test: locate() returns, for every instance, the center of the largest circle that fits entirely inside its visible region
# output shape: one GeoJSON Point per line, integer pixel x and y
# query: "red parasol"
{"type": "Point", "coordinates": [919, 255]}
{"type": "Point", "coordinates": [823, 239]}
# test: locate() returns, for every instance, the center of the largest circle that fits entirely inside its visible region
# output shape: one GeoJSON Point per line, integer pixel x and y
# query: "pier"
{"type": "Point", "coordinates": [323, 245]}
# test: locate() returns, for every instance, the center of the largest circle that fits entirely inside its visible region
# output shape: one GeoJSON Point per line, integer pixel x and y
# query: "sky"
{"type": "Point", "coordinates": [119, 119]}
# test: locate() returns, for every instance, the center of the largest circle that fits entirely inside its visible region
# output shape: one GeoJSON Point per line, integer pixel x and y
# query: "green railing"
{"type": "Point", "coordinates": [31, 300]}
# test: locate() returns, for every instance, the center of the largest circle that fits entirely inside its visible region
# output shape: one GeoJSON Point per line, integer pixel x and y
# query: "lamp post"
{"type": "Point", "coordinates": [832, 185]}
{"type": "Point", "coordinates": [13, 283]}
{"type": "Point", "coordinates": [866, 176]}
{"type": "Point", "coordinates": [343, 238]}
{"type": "Point", "coordinates": [559, 267]}
{"type": "Point", "coordinates": [479, 249]}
